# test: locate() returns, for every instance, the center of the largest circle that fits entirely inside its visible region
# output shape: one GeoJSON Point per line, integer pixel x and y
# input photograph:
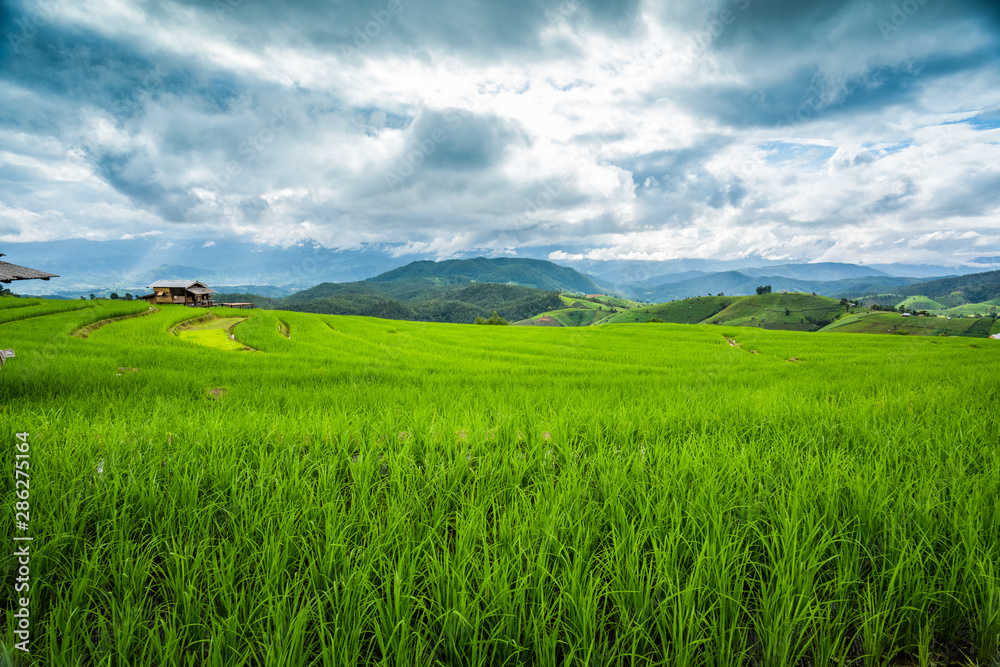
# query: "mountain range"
{"type": "Point", "coordinates": [450, 291]}
{"type": "Point", "coordinates": [129, 265]}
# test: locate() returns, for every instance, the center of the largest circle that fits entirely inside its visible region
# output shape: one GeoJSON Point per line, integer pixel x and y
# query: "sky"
{"type": "Point", "coordinates": [854, 131]}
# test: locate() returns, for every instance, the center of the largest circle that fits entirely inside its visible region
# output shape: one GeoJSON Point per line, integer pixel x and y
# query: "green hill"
{"type": "Point", "coordinates": [580, 311]}
{"type": "Point", "coordinates": [452, 291]}
{"type": "Point", "coordinates": [536, 273]}
{"type": "Point", "coordinates": [685, 311]}
{"type": "Point", "coordinates": [415, 299]}
{"type": "Point", "coordinates": [895, 323]}
{"type": "Point", "coordinates": [738, 283]}
{"type": "Point", "coordinates": [792, 311]}
{"type": "Point", "coordinates": [986, 308]}
{"type": "Point", "coordinates": [973, 288]}
{"type": "Point", "coordinates": [568, 317]}
{"type": "Point", "coordinates": [920, 303]}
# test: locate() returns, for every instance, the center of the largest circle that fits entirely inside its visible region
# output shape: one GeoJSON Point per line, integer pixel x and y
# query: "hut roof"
{"type": "Point", "coordinates": [192, 286]}
{"type": "Point", "coordinates": [9, 272]}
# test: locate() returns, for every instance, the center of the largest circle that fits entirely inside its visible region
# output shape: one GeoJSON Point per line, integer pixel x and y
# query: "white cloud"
{"type": "Point", "coordinates": [629, 143]}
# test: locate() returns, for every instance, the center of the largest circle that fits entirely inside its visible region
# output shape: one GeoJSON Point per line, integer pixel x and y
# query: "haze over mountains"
{"type": "Point", "coordinates": [129, 265]}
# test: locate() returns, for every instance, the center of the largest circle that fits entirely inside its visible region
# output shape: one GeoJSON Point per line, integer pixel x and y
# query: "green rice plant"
{"type": "Point", "coordinates": [796, 550]}
{"type": "Point", "coordinates": [615, 495]}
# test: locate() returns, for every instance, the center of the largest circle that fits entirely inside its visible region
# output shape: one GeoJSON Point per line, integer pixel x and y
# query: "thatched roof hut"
{"type": "Point", "coordinates": [9, 272]}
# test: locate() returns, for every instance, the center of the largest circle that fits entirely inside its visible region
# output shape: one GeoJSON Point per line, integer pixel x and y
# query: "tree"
{"type": "Point", "coordinates": [764, 289]}
{"type": "Point", "coordinates": [493, 319]}
{"type": "Point", "coordinates": [128, 296]}
{"type": "Point", "coordinates": [114, 295]}
{"type": "Point", "coordinates": [92, 297]}
{"type": "Point", "coordinates": [787, 312]}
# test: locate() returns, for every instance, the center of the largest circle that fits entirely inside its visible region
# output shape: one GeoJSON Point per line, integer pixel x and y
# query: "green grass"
{"type": "Point", "coordinates": [12, 309]}
{"type": "Point", "coordinates": [212, 331]}
{"type": "Point", "coordinates": [403, 493]}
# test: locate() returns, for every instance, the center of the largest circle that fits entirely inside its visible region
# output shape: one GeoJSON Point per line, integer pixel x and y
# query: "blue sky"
{"type": "Point", "coordinates": [607, 129]}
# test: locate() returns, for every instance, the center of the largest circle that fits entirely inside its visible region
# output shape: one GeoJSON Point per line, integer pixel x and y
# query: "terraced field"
{"type": "Point", "coordinates": [687, 311]}
{"type": "Point", "coordinates": [212, 331]}
{"type": "Point", "coordinates": [894, 323]}
{"type": "Point", "coordinates": [362, 491]}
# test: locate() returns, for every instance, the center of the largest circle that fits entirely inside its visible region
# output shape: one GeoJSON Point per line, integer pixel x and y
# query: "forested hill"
{"type": "Point", "coordinates": [536, 273]}
{"type": "Point", "coordinates": [415, 299]}
{"type": "Point", "coordinates": [975, 287]}
{"type": "Point", "coordinates": [450, 291]}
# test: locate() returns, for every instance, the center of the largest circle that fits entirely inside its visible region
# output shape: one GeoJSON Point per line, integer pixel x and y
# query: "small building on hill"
{"type": "Point", "coordinates": [184, 292]}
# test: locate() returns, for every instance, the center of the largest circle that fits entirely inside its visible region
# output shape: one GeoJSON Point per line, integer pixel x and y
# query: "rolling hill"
{"type": "Point", "coordinates": [973, 288]}
{"type": "Point", "coordinates": [450, 291]}
{"type": "Point", "coordinates": [792, 311]}
{"type": "Point", "coordinates": [738, 283]}
{"type": "Point", "coordinates": [894, 323]}
{"type": "Point", "coordinates": [535, 273]}
{"type": "Point", "coordinates": [816, 271]}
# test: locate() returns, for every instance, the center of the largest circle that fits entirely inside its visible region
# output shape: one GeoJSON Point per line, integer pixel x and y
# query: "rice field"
{"type": "Point", "coordinates": [354, 491]}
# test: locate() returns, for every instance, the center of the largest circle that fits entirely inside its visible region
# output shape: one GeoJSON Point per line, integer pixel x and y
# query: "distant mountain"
{"type": "Point", "coordinates": [448, 291]}
{"type": "Point", "coordinates": [535, 273]}
{"type": "Point", "coordinates": [819, 271]}
{"type": "Point", "coordinates": [926, 271]}
{"type": "Point", "coordinates": [738, 283]}
{"type": "Point", "coordinates": [674, 278]}
{"type": "Point", "coordinates": [646, 280]}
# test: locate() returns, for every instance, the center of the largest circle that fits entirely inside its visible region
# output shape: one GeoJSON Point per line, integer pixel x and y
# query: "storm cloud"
{"type": "Point", "coordinates": [855, 130]}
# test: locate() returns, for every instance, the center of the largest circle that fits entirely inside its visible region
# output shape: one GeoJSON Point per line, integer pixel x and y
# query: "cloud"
{"type": "Point", "coordinates": [609, 127]}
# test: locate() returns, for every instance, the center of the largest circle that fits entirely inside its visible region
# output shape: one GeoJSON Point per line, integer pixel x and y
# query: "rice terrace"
{"type": "Point", "coordinates": [341, 490]}
{"type": "Point", "coordinates": [486, 333]}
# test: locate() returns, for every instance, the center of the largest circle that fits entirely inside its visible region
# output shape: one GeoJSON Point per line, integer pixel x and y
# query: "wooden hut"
{"type": "Point", "coordinates": [184, 292]}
